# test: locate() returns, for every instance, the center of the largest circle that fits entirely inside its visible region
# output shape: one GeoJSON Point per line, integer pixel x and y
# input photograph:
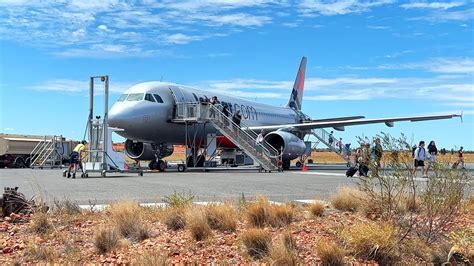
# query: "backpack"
{"type": "Point", "coordinates": [413, 149]}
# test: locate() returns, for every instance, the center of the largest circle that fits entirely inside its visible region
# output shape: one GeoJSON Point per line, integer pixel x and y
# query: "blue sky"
{"type": "Point", "coordinates": [374, 58]}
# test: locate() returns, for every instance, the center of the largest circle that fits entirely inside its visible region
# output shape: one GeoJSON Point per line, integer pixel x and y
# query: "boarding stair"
{"type": "Point", "coordinates": [324, 136]}
{"type": "Point", "coordinates": [45, 153]}
{"type": "Point", "coordinates": [241, 136]}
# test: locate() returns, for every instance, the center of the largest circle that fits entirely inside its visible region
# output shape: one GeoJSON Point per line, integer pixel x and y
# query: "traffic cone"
{"type": "Point", "coordinates": [304, 167]}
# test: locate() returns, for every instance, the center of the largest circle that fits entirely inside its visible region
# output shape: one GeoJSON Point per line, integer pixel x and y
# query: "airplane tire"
{"type": "Point", "coordinates": [298, 164]}
{"type": "Point", "coordinates": [153, 165]}
{"type": "Point", "coordinates": [161, 165]}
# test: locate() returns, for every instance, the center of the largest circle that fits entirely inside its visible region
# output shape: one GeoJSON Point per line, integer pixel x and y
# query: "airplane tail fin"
{"type": "Point", "coordinates": [296, 98]}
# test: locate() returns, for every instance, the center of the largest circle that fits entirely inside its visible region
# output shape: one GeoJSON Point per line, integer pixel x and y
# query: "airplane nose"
{"type": "Point", "coordinates": [116, 118]}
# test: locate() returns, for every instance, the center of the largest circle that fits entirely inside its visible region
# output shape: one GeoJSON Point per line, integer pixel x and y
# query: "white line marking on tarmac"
{"type": "Point", "coordinates": [318, 173]}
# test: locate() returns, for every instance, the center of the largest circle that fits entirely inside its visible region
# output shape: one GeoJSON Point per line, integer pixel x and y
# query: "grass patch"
{"type": "Point", "coordinates": [257, 212]}
{"type": "Point", "coordinates": [174, 218]}
{"type": "Point", "coordinates": [371, 240]}
{"type": "Point", "coordinates": [280, 215]}
{"type": "Point", "coordinates": [150, 258]}
{"type": "Point", "coordinates": [41, 253]}
{"type": "Point", "coordinates": [127, 217]}
{"type": "Point", "coordinates": [196, 222]}
{"type": "Point", "coordinates": [284, 252]}
{"type": "Point", "coordinates": [222, 217]}
{"type": "Point", "coordinates": [40, 223]}
{"type": "Point", "coordinates": [257, 242]}
{"type": "Point", "coordinates": [330, 253]}
{"type": "Point", "coordinates": [316, 209]}
{"type": "Point", "coordinates": [347, 199]}
{"type": "Point", "coordinates": [179, 200]}
{"type": "Point", "coordinates": [67, 207]}
{"type": "Point", "coordinates": [106, 239]}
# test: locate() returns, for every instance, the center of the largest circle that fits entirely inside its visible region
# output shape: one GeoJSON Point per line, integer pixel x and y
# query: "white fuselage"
{"type": "Point", "coordinates": [151, 121]}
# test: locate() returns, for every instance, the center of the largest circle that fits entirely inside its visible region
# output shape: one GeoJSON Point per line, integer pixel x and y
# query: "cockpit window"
{"type": "Point", "coordinates": [135, 97]}
{"type": "Point", "coordinates": [158, 98]}
{"type": "Point", "coordinates": [122, 97]}
{"type": "Point", "coordinates": [149, 97]}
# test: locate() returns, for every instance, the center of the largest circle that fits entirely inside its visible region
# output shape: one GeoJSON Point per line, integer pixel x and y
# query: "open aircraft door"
{"type": "Point", "coordinates": [182, 99]}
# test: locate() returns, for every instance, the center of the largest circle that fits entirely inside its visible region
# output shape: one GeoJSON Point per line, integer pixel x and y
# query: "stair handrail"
{"type": "Point", "coordinates": [269, 150]}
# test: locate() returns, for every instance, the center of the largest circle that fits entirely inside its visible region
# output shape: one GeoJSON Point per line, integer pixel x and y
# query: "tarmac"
{"type": "Point", "coordinates": [318, 182]}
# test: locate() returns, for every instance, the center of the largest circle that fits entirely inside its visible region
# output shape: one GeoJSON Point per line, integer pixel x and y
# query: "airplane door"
{"type": "Point", "coordinates": [182, 98]}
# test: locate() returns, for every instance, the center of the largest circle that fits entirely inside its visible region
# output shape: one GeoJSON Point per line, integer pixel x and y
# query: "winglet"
{"type": "Point", "coordinates": [296, 98]}
{"type": "Point", "coordinates": [461, 115]}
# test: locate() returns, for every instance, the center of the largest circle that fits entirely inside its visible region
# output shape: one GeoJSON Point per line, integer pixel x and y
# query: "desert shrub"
{"type": "Point", "coordinates": [40, 224]}
{"type": "Point", "coordinates": [67, 207]}
{"type": "Point", "coordinates": [41, 253]}
{"type": "Point", "coordinates": [196, 222]}
{"type": "Point", "coordinates": [330, 253]}
{"type": "Point", "coordinates": [347, 199]}
{"type": "Point", "coordinates": [257, 242]}
{"type": "Point", "coordinates": [468, 205]}
{"type": "Point", "coordinates": [174, 218]}
{"type": "Point", "coordinates": [316, 209]}
{"type": "Point", "coordinates": [284, 252]}
{"type": "Point", "coordinates": [150, 258]}
{"type": "Point", "coordinates": [462, 241]}
{"type": "Point", "coordinates": [371, 240]}
{"type": "Point", "coordinates": [127, 217]}
{"type": "Point", "coordinates": [106, 239]}
{"type": "Point", "coordinates": [280, 215]}
{"type": "Point", "coordinates": [179, 199]}
{"type": "Point", "coordinates": [257, 212]}
{"type": "Point", "coordinates": [222, 217]}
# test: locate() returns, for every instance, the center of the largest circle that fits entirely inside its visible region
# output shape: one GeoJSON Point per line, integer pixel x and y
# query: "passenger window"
{"type": "Point", "coordinates": [149, 98]}
{"type": "Point", "coordinates": [122, 98]}
{"type": "Point", "coordinates": [135, 97]}
{"type": "Point", "coordinates": [158, 98]}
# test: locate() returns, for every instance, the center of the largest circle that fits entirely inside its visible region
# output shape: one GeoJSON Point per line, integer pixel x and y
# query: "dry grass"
{"type": "Point", "coordinates": [40, 223]}
{"type": "Point", "coordinates": [280, 215]}
{"type": "Point", "coordinates": [196, 222]}
{"type": "Point", "coordinates": [41, 253]}
{"type": "Point", "coordinates": [106, 239]}
{"type": "Point", "coordinates": [347, 199]}
{"type": "Point", "coordinates": [257, 242]}
{"type": "Point", "coordinates": [150, 258]}
{"type": "Point", "coordinates": [222, 217]}
{"type": "Point", "coordinates": [257, 212]}
{"type": "Point", "coordinates": [284, 252]}
{"type": "Point", "coordinates": [316, 209]}
{"type": "Point", "coordinates": [128, 219]}
{"type": "Point", "coordinates": [330, 253]}
{"type": "Point", "coordinates": [371, 240]}
{"type": "Point", "coordinates": [174, 218]}
{"type": "Point", "coordinates": [468, 205]}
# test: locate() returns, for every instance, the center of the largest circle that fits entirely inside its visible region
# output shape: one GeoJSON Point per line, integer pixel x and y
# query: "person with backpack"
{"type": "Point", "coordinates": [376, 154]}
{"type": "Point", "coordinates": [419, 157]}
{"type": "Point", "coordinates": [431, 156]}
{"type": "Point", "coordinates": [330, 139]}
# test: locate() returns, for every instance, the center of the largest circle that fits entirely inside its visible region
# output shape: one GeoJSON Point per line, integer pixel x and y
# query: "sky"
{"type": "Point", "coordinates": [378, 58]}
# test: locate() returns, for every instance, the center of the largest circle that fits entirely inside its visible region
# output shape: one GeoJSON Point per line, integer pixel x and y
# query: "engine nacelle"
{"type": "Point", "coordinates": [292, 146]}
{"type": "Point", "coordinates": [147, 151]}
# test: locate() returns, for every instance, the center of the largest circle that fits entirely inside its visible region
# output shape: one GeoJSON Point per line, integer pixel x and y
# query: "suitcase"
{"type": "Point", "coordinates": [351, 171]}
{"type": "Point", "coordinates": [363, 170]}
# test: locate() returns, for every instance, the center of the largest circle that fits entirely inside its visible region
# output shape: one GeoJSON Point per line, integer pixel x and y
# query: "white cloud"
{"type": "Point", "coordinates": [179, 38]}
{"type": "Point", "coordinates": [75, 86]}
{"type": "Point", "coordinates": [439, 65]}
{"type": "Point", "coordinates": [9, 129]}
{"type": "Point", "coordinates": [432, 5]}
{"type": "Point", "coordinates": [447, 15]}
{"type": "Point", "coordinates": [337, 7]}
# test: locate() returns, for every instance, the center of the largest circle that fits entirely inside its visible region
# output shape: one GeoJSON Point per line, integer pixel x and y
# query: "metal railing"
{"type": "Point", "coordinates": [323, 136]}
{"type": "Point", "coordinates": [43, 152]}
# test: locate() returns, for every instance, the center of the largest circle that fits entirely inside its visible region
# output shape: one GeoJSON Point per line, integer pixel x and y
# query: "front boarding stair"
{"type": "Point", "coordinates": [239, 135]}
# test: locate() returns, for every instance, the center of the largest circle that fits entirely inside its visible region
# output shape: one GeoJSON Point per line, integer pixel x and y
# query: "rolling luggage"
{"type": "Point", "coordinates": [351, 171]}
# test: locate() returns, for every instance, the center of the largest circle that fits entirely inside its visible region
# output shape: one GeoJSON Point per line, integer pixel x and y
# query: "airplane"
{"type": "Point", "coordinates": [144, 114]}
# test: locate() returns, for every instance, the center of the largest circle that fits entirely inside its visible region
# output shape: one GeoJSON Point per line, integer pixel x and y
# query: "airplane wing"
{"type": "Point", "coordinates": [339, 125]}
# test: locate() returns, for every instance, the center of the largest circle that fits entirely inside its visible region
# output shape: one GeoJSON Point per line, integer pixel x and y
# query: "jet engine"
{"type": "Point", "coordinates": [146, 151]}
{"type": "Point", "coordinates": [292, 146]}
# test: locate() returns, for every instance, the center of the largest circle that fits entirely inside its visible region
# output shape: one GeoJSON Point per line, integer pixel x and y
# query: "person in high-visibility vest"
{"type": "Point", "coordinates": [74, 158]}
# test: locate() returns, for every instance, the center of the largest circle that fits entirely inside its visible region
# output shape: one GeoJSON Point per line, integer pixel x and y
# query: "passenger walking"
{"type": "Point", "coordinates": [460, 158]}
{"type": "Point", "coordinates": [213, 102]}
{"type": "Point", "coordinates": [258, 142]}
{"type": "Point", "coordinates": [431, 156]}
{"type": "Point", "coordinates": [419, 156]}
{"type": "Point", "coordinates": [339, 145]}
{"type": "Point", "coordinates": [226, 113]}
{"type": "Point", "coordinates": [331, 139]}
{"type": "Point", "coordinates": [376, 154]}
{"type": "Point", "coordinates": [363, 159]}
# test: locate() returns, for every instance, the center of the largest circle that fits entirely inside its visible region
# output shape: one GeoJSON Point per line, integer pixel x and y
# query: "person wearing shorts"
{"type": "Point", "coordinates": [420, 156]}
{"type": "Point", "coordinates": [74, 158]}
